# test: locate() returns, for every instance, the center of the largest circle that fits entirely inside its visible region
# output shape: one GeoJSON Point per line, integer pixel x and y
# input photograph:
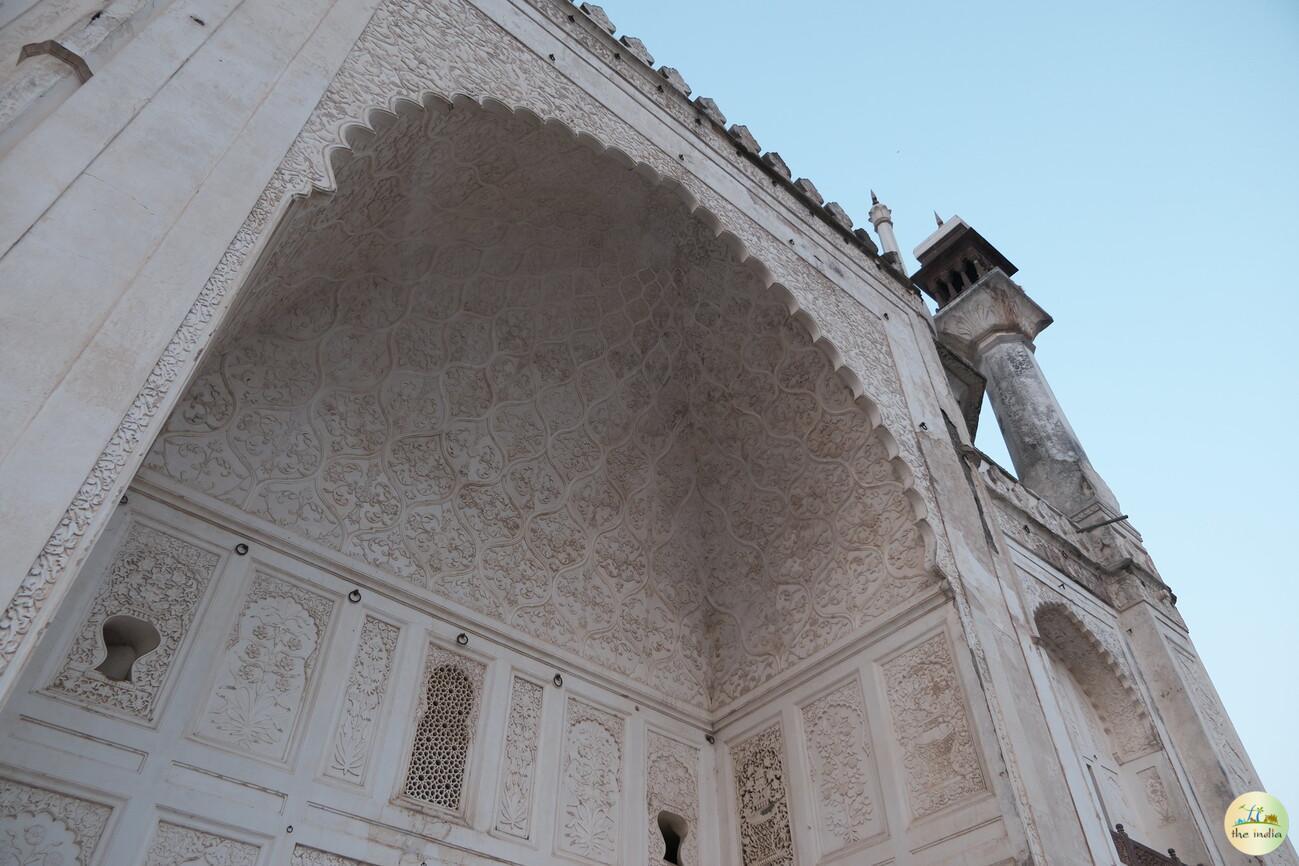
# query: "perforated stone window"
{"type": "Point", "coordinates": [444, 731]}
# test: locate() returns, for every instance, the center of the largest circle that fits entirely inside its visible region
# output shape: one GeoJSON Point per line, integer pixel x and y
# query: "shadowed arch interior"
{"type": "Point", "coordinates": [510, 368]}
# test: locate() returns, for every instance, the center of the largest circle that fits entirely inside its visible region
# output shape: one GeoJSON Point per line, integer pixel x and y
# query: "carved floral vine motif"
{"type": "Point", "coordinates": [591, 783]}
{"type": "Point", "coordinates": [843, 767]}
{"type": "Point", "coordinates": [407, 49]}
{"type": "Point", "coordinates": [932, 728]}
{"type": "Point", "coordinates": [156, 577]}
{"type": "Point", "coordinates": [266, 671]}
{"type": "Point", "coordinates": [40, 827]}
{"type": "Point", "coordinates": [519, 766]}
{"type": "Point", "coordinates": [174, 845]}
{"type": "Point", "coordinates": [671, 771]}
{"type": "Point", "coordinates": [765, 835]}
{"type": "Point", "coordinates": [362, 701]}
{"type": "Point", "coordinates": [304, 856]}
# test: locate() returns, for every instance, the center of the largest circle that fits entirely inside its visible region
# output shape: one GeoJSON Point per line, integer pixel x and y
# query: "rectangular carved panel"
{"type": "Point", "coordinates": [156, 578]}
{"type": "Point", "coordinates": [765, 835]}
{"type": "Point", "coordinates": [842, 762]}
{"type": "Point", "coordinates": [519, 768]}
{"type": "Point", "coordinates": [366, 686]}
{"type": "Point", "coordinates": [265, 673]}
{"type": "Point", "coordinates": [672, 785]}
{"type": "Point", "coordinates": [39, 826]}
{"type": "Point", "coordinates": [304, 856]}
{"type": "Point", "coordinates": [590, 793]}
{"type": "Point", "coordinates": [174, 844]}
{"type": "Point", "coordinates": [932, 727]}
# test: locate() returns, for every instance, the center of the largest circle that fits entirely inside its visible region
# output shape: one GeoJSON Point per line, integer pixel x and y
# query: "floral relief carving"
{"type": "Point", "coordinates": [446, 722]}
{"type": "Point", "coordinates": [591, 783]}
{"type": "Point", "coordinates": [39, 826]}
{"type": "Point", "coordinates": [1157, 795]}
{"type": "Point", "coordinates": [407, 49]}
{"type": "Point", "coordinates": [362, 700]}
{"type": "Point", "coordinates": [519, 765]}
{"type": "Point", "coordinates": [266, 671]}
{"type": "Point", "coordinates": [932, 727]}
{"type": "Point", "coordinates": [843, 769]}
{"type": "Point", "coordinates": [156, 577]}
{"type": "Point", "coordinates": [305, 856]}
{"type": "Point", "coordinates": [174, 845]}
{"type": "Point", "coordinates": [1220, 730]}
{"type": "Point", "coordinates": [672, 785]}
{"type": "Point", "coordinates": [760, 787]}
{"type": "Point", "coordinates": [555, 435]}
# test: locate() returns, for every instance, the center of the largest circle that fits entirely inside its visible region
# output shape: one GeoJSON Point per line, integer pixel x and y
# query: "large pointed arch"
{"type": "Point", "coordinates": [515, 368]}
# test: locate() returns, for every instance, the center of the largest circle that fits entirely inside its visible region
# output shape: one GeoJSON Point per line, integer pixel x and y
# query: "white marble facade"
{"type": "Point", "coordinates": [470, 451]}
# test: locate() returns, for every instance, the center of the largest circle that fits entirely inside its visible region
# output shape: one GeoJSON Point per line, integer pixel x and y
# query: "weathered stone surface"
{"type": "Point", "coordinates": [840, 215]}
{"type": "Point", "coordinates": [675, 79]}
{"type": "Point", "coordinates": [636, 47]}
{"type": "Point", "coordinates": [709, 107]}
{"type": "Point", "coordinates": [598, 15]}
{"type": "Point", "coordinates": [807, 188]}
{"type": "Point", "coordinates": [772, 160]}
{"type": "Point", "coordinates": [744, 138]}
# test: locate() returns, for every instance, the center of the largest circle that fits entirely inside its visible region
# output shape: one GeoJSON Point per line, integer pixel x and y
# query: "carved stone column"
{"type": "Point", "coordinates": [991, 325]}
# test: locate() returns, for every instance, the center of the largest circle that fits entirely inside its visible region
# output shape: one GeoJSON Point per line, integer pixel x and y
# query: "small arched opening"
{"type": "Point", "coordinates": [127, 639]}
{"type": "Point", "coordinates": [674, 829]}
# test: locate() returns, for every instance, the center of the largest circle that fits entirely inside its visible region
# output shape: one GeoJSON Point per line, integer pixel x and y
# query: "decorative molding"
{"type": "Point", "coordinates": [763, 804]}
{"type": "Point", "coordinates": [519, 763]}
{"type": "Point", "coordinates": [155, 576]}
{"type": "Point", "coordinates": [367, 684]}
{"type": "Point", "coordinates": [932, 727]}
{"type": "Point", "coordinates": [590, 784]}
{"type": "Point", "coordinates": [849, 803]}
{"type": "Point", "coordinates": [265, 674]}
{"type": "Point", "coordinates": [40, 826]}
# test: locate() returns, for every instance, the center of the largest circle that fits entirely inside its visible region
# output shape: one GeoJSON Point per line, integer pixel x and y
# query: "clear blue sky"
{"type": "Point", "coordinates": [1140, 163]}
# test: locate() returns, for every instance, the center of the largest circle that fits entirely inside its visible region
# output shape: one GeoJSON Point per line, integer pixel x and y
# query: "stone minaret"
{"type": "Point", "coordinates": [989, 322]}
{"type": "Point", "coordinates": [882, 218]}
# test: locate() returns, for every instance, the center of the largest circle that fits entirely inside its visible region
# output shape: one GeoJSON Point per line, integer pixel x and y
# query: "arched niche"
{"type": "Point", "coordinates": [1128, 773]}
{"type": "Point", "coordinates": [528, 376]}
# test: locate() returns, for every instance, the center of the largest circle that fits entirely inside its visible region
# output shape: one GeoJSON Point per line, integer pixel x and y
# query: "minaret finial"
{"type": "Point", "coordinates": [938, 219]}
{"type": "Point", "coordinates": [874, 199]}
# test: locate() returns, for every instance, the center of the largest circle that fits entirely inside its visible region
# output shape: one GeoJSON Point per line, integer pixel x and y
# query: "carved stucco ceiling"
{"type": "Point", "coordinates": [509, 368]}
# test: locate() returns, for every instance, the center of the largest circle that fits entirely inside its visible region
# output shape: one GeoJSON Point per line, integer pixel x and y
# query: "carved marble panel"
{"type": "Point", "coordinates": [367, 684]}
{"type": "Point", "coordinates": [672, 785]}
{"type": "Point", "coordinates": [638, 455]}
{"type": "Point", "coordinates": [446, 722]}
{"type": "Point", "coordinates": [160, 578]}
{"type": "Point", "coordinates": [267, 667]}
{"type": "Point", "coordinates": [175, 845]}
{"type": "Point", "coordinates": [590, 786]}
{"type": "Point", "coordinates": [932, 727]}
{"type": "Point", "coordinates": [761, 799]}
{"type": "Point", "coordinates": [40, 827]}
{"type": "Point", "coordinates": [305, 856]}
{"type": "Point", "coordinates": [519, 763]}
{"type": "Point", "coordinates": [845, 778]}
{"type": "Point", "coordinates": [1218, 726]}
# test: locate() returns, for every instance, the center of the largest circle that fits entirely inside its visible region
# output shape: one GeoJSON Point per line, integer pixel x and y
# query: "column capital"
{"type": "Point", "coordinates": [993, 309]}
